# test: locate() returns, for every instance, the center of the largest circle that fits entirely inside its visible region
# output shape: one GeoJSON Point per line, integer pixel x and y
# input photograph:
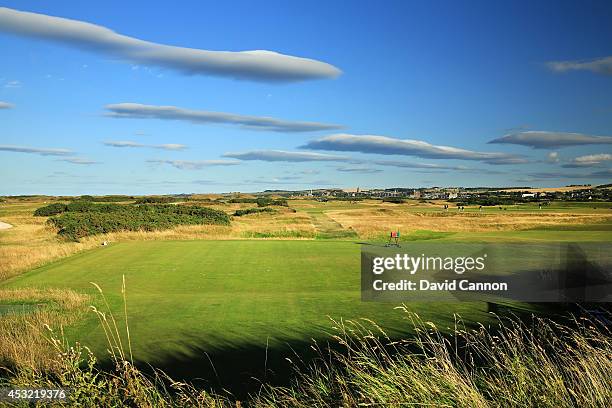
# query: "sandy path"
{"type": "Point", "coordinates": [4, 225]}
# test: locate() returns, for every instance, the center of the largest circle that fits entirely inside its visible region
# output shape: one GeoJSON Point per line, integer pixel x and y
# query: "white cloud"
{"type": "Point", "coordinates": [6, 105]}
{"type": "Point", "coordinates": [362, 170]}
{"type": "Point", "coordinates": [123, 143]}
{"type": "Point", "coordinates": [285, 181]}
{"type": "Point", "coordinates": [407, 147]}
{"type": "Point", "coordinates": [195, 164]}
{"type": "Point", "coordinates": [139, 111]}
{"type": "Point", "coordinates": [601, 174]}
{"type": "Point", "coordinates": [594, 158]}
{"type": "Point", "coordinates": [538, 139]}
{"type": "Point", "coordinates": [257, 65]}
{"type": "Point", "coordinates": [599, 65]}
{"type": "Point", "coordinates": [79, 160]}
{"type": "Point", "coordinates": [591, 160]}
{"type": "Point", "coordinates": [553, 157]}
{"type": "Point", "coordinates": [35, 150]}
{"type": "Point", "coordinates": [284, 156]}
{"type": "Point", "coordinates": [12, 84]}
{"type": "Point", "coordinates": [127, 143]}
{"type": "Point", "coordinates": [413, 165]}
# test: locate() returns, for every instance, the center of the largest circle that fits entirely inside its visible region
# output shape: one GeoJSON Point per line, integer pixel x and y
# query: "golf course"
{"type": "Point", "coordinates": [212, 304]}
{"type": "Point", "coordinates": [185, 298]}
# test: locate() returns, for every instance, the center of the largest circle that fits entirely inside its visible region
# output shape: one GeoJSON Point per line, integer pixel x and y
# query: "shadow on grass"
{"type": "Point", "coordinates": [239, 370]}
{"type": "Point", "coordinates": [234, 369]}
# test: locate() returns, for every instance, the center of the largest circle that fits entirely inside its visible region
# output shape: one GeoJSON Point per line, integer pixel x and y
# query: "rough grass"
{"type": "Point", "coordinates": [374, 222]}
{"type": "Point", "coordinates": [23, 339]}
{"type": "Point", "coordinates": [542, 364]}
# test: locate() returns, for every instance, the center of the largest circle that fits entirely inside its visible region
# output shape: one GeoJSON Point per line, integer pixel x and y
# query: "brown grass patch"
{"type": "Point", "coordinates": [285, 223]}
{"type": "Point", "coordinates": [369, 223]}
{"type": "Point", "coordinates": [24, 340]}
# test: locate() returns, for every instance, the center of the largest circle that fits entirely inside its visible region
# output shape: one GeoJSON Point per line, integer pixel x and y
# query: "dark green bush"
{"type": "Point", "coordinates": [261, 201]}
{"type": "Point", "coordinates": [103, 199]}
{"type": "Point", "coordinates": [51, 209]}
{"type": "Point", "coordinates": [394, 200]}
{"type": "Point", "coordinates": [86, 206]}
{"type": "Point", "coordinates": [240, 213]}
{"type": "Point", "coordinates": [266, 201]}
{"type": "Point", "coordinates": [104, 218]}
{"type": "Point", "coordinates": [156, 200]}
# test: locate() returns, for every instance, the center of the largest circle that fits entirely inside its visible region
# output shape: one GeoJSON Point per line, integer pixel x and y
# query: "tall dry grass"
{"type": "Point", "coordinates": [23, 334]}
{"type": "Point", "coordinates": [372, 222]}
{"type": "Point", "coordinates": [536, 364]}
{"type": "Point", "coordinates": [542, 364]}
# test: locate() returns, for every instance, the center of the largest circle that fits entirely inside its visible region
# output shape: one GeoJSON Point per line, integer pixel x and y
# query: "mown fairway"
{"type": "Point", "coordinates": [184, 296]}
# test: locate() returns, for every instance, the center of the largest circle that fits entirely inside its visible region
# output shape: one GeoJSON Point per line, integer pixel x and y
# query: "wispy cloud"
{"type": "Point", "coordinates": [601, 174]}
{"type": "Point", "coordinates": [407, 147]}
{"type": "Point", "coordinates": [139, 111]}
{"type": "Point", "coordinates": [274, 180]}
{"type": "Point", "coordinates": [6, 105]}
{"type": "Point", "coordinates": [36, 150]}
{"type": "Point", "coordinates": [308, 172]}
{"type": "Point", "coordinates": [551, 140]}
{"type": "Point", "coordinates": [435, 168]}
{"type": "Point", "coordinates": [284, 156]}
{"type": "Point", "coordinates": [79, 160]}
{"type": "Point", "coordinates": [591, 160]}
{"type": "Point", "coordinates": [11, 84]}
{"type": "Point", "coordinates": [413, 165]}
{"type": "Point", "coordinates": [600, 65]}
{"type": "Point", "coordinates": [127, 143]}
{"type": "Point", "coordinates": [285, 181]}
{"type": "Point", "coordinates": [362, 170]}
{"type": "Point", "coordinates": [257, 65]}
{"type": "Point", "coordinates": [195, 164]}
{"type": "Point", "coordinates": [207, 182]}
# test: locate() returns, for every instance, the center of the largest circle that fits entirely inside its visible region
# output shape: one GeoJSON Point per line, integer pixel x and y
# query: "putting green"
{"type": "Point", "coordinates": [220, 294]}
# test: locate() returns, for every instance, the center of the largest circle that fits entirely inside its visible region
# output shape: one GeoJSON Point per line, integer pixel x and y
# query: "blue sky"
{"type": "Point", "coordinates": [535, 76]}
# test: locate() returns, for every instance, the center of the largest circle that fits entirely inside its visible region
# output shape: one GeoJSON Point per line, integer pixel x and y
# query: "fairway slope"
{"type": "Point", "coordinates": [230, 300]}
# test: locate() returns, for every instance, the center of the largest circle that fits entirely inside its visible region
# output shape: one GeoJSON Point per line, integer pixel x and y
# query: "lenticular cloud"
{"type": "Point", "coordinates": [257, 65]}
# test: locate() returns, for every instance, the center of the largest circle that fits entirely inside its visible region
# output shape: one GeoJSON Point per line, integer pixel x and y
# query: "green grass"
{"type": "Point", "coordinates": [277, 234]}
{"type": "Point", "coordinates": [217, 294]}
{"type": "Point", "coordinates": [536, 235]}
{"type": "Point", "coordinates": [235, 299]}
